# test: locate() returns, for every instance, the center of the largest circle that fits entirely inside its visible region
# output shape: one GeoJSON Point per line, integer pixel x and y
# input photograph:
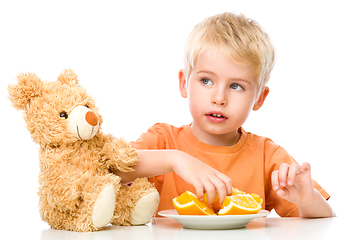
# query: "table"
{"type": "Point", "coordinates": [263, 228]}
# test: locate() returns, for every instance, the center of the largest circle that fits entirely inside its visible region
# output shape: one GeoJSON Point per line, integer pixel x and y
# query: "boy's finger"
{"type": "Point", "coordinates": [283, 173]}
{"type": "Point", "coordinates": [275, 180]}
{"type": "Point", "coordinates": [221, 190]}
{"type": "Point", "coordinates": [294, 169]}
{"type": "Point", "coordinates": [305, 166]}
{"type": "Point", "coordinates": [283, 193]}
{"type": "Point", "coordinates": [199, 190]}
{"type": "Point", "coordinates": [227, 183]}
{"type": "Point", "coordinates": [210, 192]}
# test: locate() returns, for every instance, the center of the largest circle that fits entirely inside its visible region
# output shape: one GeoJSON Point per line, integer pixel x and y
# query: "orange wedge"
{"type": "Point", "coordinates": [239, 205]}
{"type": "Point", "coordinates": [188, 204]}
{"type": "Point", "coordinates": [216, 206]}
{"type": "Point", "coordinates": [257, 198]}
{"type": "Point", "coordinates": [235, 191]}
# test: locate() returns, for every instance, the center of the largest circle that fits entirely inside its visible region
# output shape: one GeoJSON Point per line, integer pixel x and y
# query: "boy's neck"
{"type": "Point", "coordinates": [223, 140]}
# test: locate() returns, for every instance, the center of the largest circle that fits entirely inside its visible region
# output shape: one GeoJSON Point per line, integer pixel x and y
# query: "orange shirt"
{"type": "Point", "coordinates": [249, 164]}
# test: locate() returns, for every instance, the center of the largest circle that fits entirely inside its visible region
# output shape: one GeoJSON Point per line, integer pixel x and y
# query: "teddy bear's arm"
{"type": "Point", "coordinates": [119, 155]}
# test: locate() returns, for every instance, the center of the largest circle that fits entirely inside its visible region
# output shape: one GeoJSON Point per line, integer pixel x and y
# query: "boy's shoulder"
{"type": "Point", "coordinates": [262, 141]}
{"type": "Point", "coordinates": [271, 151]}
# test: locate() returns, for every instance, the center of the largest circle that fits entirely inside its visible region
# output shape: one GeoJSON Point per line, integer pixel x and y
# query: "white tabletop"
{"type": "Point", "coordinates": [263, 228]}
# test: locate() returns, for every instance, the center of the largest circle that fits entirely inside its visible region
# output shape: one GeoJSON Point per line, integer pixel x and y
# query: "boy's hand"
{"type": "Point", "coordinates": [203, 178]}
{"type": "Point", "coordinates": [198, 174]}
{"type": "Point", "coordinates": [293, 183]}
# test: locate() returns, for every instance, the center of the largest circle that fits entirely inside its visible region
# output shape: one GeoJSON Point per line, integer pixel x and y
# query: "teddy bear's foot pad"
{"type": "Point", "coordinates": [104, 207]}
{"type": "Point", "coordinates": [145, 209]}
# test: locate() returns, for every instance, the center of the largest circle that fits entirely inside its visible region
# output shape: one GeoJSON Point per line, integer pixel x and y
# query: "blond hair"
{"type": "Point", "coordinates": [240, 39]}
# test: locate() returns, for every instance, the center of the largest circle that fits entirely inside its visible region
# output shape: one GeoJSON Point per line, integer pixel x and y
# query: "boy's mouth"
{"type": "Point", "coordinates": [216, 114]}
{"type": "Point", "coordinates": [216, 117]}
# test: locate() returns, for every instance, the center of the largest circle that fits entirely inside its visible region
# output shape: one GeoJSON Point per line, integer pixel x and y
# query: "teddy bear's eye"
{"type": "Point", "coordinates": [86, 106]}
{"type": "Point", "coordinates": [63, 115]}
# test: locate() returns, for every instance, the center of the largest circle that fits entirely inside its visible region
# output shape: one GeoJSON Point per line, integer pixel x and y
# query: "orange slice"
{"type": "Point", "coordinates": [257, 198]}
{"type": "Point", "coordinates": [235, 191]}
{"type": "Point", "coordinates": [188, 204]}
{"type": "Point", "coordinates": [216, 206]}
{"type": "Point", "coordinates": [239, 205]}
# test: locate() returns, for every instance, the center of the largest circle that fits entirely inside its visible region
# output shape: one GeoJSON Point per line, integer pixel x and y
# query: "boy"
{"type": "Point", "coordinates": [228, 60]}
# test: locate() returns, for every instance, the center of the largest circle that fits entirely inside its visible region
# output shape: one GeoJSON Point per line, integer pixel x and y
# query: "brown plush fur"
{"type": "Point", "coordinates": [73, 171]}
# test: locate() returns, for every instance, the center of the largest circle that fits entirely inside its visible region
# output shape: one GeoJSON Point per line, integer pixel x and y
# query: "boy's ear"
{"type": "Point", "coordinates": [183, 84]}
{"type": "Point", "coordinates": [263, 95]}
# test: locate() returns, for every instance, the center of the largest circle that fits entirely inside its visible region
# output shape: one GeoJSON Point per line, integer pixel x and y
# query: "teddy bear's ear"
{"type": "Point", "coordinates": [28, 87]}
{"type": "Point", "coordinates": [69, 77]}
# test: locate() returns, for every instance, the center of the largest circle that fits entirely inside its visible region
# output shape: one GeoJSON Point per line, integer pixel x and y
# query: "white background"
{"type": "Point", "coordinates": [128, 53]}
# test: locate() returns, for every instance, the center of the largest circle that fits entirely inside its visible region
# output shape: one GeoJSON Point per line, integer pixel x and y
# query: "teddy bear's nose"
{"type": "Point", "coordinates": [91, 118]}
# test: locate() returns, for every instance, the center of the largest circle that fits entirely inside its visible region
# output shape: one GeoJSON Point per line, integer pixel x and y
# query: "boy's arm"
{"type": "Point", "coordinates": [294, 183]}
{"type": "Point", "coordinates": [318, 208]}
{"type": "Point", "coordinates": [201, 176]}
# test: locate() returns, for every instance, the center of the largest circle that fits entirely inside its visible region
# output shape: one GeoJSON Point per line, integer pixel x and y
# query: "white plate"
{"type": "Point", "coordinates": [212, 222]}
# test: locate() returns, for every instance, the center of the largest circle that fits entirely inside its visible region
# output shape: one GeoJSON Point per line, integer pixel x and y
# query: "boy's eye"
{"type": "Point", "coordinates": [206, 82]}
{"type": "Point", "coordinates": [236, 86]}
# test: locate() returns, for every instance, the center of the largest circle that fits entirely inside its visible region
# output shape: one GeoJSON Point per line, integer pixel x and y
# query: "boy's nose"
{"type": "Point", "coordinates": [222, 103]}
{"type": "Point", "coordinates": [219, 98]}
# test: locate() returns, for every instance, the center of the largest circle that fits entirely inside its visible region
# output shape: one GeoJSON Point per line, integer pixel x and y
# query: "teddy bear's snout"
{"type": "Point", "coordinates": [83, 123]}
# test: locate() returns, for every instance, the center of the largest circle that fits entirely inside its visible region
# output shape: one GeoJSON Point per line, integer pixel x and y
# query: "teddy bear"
{"type": "Point", "coordinates": [78, 189]}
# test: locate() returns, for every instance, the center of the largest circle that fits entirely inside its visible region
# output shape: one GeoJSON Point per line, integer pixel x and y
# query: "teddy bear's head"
{"type": "Point", "coordinates": [59, 112]}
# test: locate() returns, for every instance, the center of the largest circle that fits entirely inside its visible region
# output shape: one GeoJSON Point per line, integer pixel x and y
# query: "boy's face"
{"type": "Point", "coordinates": [221, 95]}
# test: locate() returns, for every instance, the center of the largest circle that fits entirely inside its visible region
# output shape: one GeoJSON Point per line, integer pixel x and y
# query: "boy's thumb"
{"type": "Point", "coordinates": [305, 166]}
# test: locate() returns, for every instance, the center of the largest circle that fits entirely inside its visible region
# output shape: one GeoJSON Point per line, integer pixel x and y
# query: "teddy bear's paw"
{"type": "Point", "coordinates": [145, 209]}
{"type": "Point", "coordinates": [104, 207]}
{"type": "Point", "coordinates": [121, 156]}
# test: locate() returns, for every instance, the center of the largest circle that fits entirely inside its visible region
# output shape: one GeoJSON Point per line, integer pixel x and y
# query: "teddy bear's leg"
{"type": "Point", "coordinates": [145, 208]}
{"type": "Point", "coordinates": [95, 210]}
{"type": "Point", "coordinates": [65, 220]}
{"type": "Point", "coordinates": [100, 197]}
{"type": "Point", "coordinates": [136, 204]}
{"type": "Point", "coordinates": [104, 207]}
